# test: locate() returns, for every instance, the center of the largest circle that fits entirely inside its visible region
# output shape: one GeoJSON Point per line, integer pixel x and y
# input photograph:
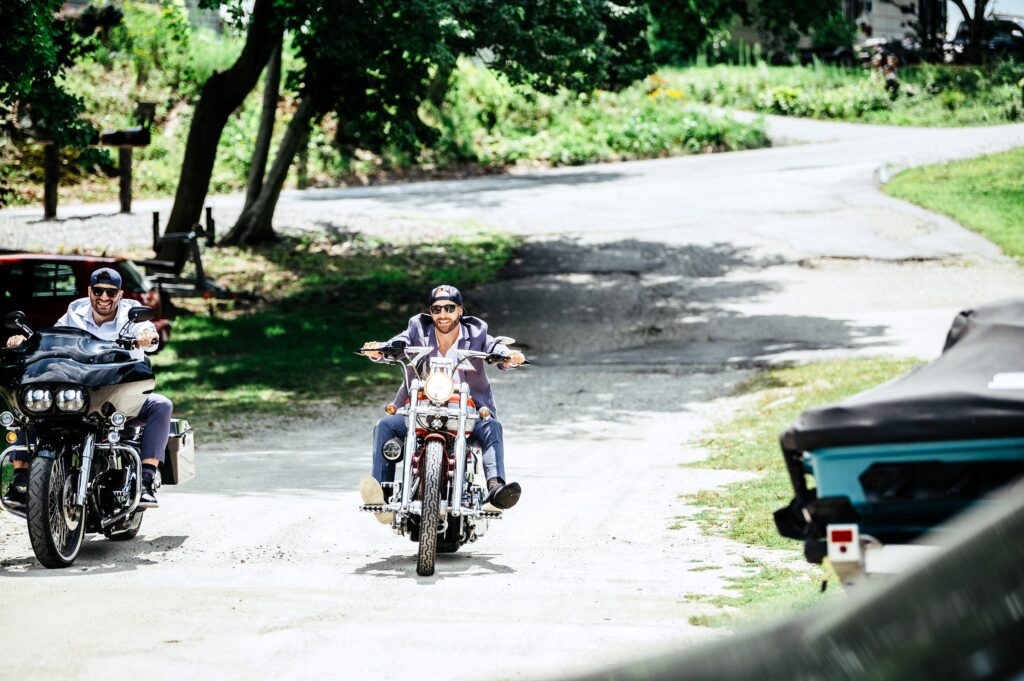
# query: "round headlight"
{"type": "Point", "coordinates": [70, 399]}
{"type": "Point", "coordinates": [6, 419]}
{"type": "Point", "coordinates": [117, 419]}
{"type": "Point", "coordinates": [439, 387]}
{"type": "Point", "coordinates": [38, 399]}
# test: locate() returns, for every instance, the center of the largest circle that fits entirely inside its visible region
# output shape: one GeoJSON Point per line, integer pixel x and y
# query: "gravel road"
{"type": "Point", "coordinates": [646, 291]}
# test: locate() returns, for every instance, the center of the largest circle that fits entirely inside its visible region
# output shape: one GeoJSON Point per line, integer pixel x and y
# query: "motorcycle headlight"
{"type": "Point", "coordinates": [37, 399]}
{"type": "Point", "coordinates": [439, 387]}
{"type": "Point", "coordinates": [70, 399]}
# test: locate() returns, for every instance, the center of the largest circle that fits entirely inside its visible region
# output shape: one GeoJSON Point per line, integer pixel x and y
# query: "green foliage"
{"type": "Point", "coordinates": [37, 47]}
{"type": "Point", "coordinates": [983, 194]}
{"type": "Point", "coordinates": [486, 120]}
{"type": "Point", "coordinates": [835, 30]}
{"type": "Point", "coordinates": [929, 95]}
{"type": "Point", "coordinates": [374, 64]}
{"type": "Point", "coordinates": [328, 296]}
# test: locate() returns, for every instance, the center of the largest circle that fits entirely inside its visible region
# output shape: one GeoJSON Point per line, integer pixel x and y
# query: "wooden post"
{"type": "Point", "coordinates": [156, 231]}
{"type": "Point", "coordinates": [51, 170]}
{"type": "Point", "coordinates": [124, 166]}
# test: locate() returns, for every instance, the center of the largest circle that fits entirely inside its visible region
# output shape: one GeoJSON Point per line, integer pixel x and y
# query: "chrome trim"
{"type": "Point", "coordinates": [410, 445]}
{"type": "Point", "coordinates": [138, 483]}
{"type": "Point", "coordinates": [85, 469]}
{"type": "Point", "coordinates": [460, 453]}
{"type": "Point", "coordinates": [6, 455]}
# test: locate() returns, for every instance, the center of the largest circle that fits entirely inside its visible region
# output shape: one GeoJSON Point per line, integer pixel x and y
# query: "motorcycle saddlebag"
{"type": "Point", "coordinates": [180, 456]}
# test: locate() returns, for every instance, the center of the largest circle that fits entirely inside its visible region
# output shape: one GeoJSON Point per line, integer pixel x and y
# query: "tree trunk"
{"type": "Point", "coordinates": [975, 24]}
{"type": "Point", "coordinates": [271, 89]}
{"type": "Point", "coordinates": [222, 93]}
{"type": "Point", "coordinates": [255, 225]}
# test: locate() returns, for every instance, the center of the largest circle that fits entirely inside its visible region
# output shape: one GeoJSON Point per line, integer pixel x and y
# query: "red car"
{"type": "Point", "coordinates": [42, 286]}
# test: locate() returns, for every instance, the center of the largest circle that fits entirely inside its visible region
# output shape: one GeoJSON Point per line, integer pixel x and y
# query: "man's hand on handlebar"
{"type": "Point", "coordinates": [147, 338]}
{"type": "Point", "coordinates": [369, 346]}
{"type": "Point", "coordinates": [15, 341]}
{"type": "Point", "coordinates": [515, 358]}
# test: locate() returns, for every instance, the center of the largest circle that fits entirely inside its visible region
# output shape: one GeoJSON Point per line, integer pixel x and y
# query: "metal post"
{"type": "Point", "coordinates": [124, 166]}
{"type": "Point", "coordinates": [156, 230]}
{"type": "Point", "coordinates": [211, 227]}
{"type": "Point", "coordinates": [51, 170]}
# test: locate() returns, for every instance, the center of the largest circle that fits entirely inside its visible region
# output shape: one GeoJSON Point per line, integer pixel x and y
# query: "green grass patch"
{"type": "Point", "coordinates": [929, 94]}
{"type": "Point", "coordinates": [326, 297]}
{"type": "Point", "coordinates": [984, 194]}
{"type": "Point", "coordinates": [768, 592]}
{"type": "Point", "coordinates": [748, 440]}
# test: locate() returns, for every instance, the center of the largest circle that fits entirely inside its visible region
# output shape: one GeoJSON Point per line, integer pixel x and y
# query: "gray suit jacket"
{"type": "Point", "coordinates": [473, 336]}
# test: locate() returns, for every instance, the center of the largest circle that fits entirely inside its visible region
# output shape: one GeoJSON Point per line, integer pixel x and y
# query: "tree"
{"type": "Point", "coordinates": [976, 26]}
{"type": "Point", "coordinates": [223, 92]}
{"type": "Point", "coordinates": [375, 63]}
{"type": "Point", "coordinates": [683, 27]}
{"type": "Point", "coordinates": [781, 22]}
{"type": "Point", "coordinates": [38, 44]}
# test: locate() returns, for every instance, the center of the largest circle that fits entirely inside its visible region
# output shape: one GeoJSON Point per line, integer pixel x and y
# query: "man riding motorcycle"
{"type": "Point", "coordinates": [445, 327]}
{"type": "Point", "coordinates": [103, 314]}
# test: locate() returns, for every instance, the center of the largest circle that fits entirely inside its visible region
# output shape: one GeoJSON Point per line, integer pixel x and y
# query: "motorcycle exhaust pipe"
{"type": "Point", "coordinates": [393, 450]}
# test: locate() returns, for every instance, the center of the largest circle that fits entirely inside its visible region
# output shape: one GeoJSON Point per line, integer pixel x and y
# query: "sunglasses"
{"type": "Point", "coordinates": [100, 291]}
{"type": "Point", "coordinates": [438, 309]}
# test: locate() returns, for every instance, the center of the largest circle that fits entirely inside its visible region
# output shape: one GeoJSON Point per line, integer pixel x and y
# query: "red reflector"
{"type": "Point", "coordinates": [841, 536]}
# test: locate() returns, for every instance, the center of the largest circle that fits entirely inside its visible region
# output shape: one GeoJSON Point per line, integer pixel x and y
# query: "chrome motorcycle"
{"type": "Point", "coordinates": [437, 494]}
{"type": "Point", "coordinates": [70, 397]}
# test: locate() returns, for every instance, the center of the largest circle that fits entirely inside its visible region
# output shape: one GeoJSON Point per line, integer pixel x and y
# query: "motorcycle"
{"type": "Point", "coordinates": [437, 494]}
{"type": "Point", "coordinates": [70, 397]}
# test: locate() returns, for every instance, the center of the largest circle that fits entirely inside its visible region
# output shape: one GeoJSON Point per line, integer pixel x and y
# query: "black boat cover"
{"type": "Point", "coordinates": [973, 390]}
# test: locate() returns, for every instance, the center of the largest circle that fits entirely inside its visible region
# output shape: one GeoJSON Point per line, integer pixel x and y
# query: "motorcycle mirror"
{"type": "Point", "coordinates": [15, 321]}
{"type": "Point", "coordinates": [504, 340]}
{"type": "Point", "coordinates": [141, 314]}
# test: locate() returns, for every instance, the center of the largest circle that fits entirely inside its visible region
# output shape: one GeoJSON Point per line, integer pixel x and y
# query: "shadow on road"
{"type": "Point", "coordinates": [642, 302]}
{"type": "Point", "coordinates": [460, 193]}
{"type": "Point", "coordinates": [447, 566]}
{"type": "Point", "coordinates": [98, 556]}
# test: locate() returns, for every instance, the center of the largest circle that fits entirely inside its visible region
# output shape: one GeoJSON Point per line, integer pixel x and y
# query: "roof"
{"type": "Point", "coordinates": [973, 390]}
{"type": "Point", "coordinates": [14, 256]}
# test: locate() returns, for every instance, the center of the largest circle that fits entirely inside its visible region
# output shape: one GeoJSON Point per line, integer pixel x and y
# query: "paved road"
{"type": "Point", "coordinates": [647, 290]}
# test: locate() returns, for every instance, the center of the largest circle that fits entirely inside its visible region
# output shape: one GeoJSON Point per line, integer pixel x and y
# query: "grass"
{"type": "Point", "coordinates": [929, 95]}
{"type": "Point", "coordinates": [985, 194]}
{"type": "Point", "coordinates": [747, 440]}
{"type": "Point", "coordinates": [295, 352]}
{"type": "Point", "coordinates": [768, 591]}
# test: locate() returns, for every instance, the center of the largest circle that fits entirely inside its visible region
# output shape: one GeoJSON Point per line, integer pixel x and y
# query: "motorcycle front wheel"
{"type": "Point", "coordinates": [56, 526]}
{"type": "Point", "coordinates": [430, 509]}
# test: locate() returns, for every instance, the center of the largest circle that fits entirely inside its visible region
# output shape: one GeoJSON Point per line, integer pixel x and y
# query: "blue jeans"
{"type": "Point", "coordinates": [486, 433]}
{"type": "Point", "coordinates": [155, 416]}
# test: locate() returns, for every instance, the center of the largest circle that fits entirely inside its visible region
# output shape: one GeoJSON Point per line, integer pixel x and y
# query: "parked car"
{"type": "Point", "coordinates": [42, 285]}
{"type": "Point", "coordinates": [998, 38]}
{"type": "Point", "coordinates": [892, 464]}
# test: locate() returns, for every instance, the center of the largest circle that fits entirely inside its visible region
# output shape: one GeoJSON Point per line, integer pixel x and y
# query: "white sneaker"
{"type": "Point", "coordinates": [373, 495]}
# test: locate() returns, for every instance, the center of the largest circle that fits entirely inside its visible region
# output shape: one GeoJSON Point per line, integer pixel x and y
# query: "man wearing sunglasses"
{"type": "Point", "coordinates": [103, 314]}
{"type": "Point", "coordinates": [445, 327]}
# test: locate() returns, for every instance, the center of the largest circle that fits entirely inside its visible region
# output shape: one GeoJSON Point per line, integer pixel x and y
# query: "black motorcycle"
{"type": "Point", "coordinates": [70, 397]}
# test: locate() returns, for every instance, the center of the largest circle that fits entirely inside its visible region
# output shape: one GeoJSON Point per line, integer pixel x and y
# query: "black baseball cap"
{"type": "Point", "coordinates": [105, 275]}
{"type": "Point", "coordinates": [445, 292]}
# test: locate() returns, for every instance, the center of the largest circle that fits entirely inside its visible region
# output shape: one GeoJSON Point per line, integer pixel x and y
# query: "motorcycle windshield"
{"type": "Point", "coordinates": [74, 344]}
{"type": "Point", "coordinates": [67, 355]}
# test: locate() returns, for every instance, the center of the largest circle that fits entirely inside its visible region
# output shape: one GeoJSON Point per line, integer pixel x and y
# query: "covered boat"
{"type": "Point", "coordinates": [902, 458]}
